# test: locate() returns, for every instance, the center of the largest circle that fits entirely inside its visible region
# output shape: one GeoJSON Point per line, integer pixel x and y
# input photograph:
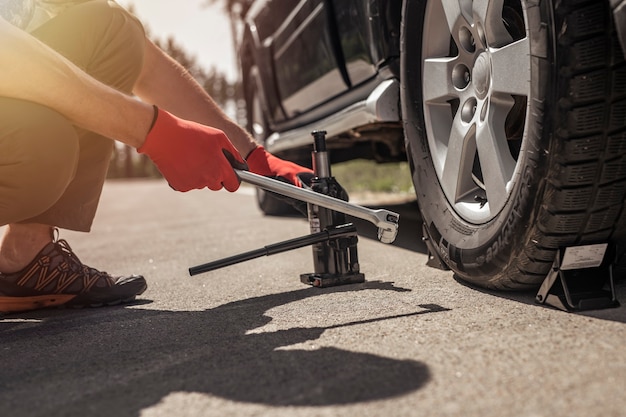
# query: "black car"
{"type": "Point", "coordinates": [511, 114]}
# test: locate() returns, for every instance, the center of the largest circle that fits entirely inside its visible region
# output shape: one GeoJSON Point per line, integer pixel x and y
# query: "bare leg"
{"type": "Point", "coordinates": [21, 243]}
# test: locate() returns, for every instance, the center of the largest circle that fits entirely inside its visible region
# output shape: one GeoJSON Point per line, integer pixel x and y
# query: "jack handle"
{"type": "Point", "coordinates": [385, 220]}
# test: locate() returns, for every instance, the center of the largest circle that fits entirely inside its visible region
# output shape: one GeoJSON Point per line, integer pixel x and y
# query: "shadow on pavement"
{"type": "Point", "coordinates": [410, 238]}
{"type": "Point", "coordinates": [528, 297]}
{"type": "Point", "coordinates": [409, 230]}
{"type": "Point", "coordinates": [118, 361]}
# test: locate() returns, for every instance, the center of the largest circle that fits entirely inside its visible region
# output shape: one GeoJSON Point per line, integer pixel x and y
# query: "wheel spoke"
{"type": "Point", "coordinates": [497, 164]}
{"type": "Point", "coordinates": [489, 14]}
{"type": "Point", "coordinates": [456, 174]}
{"type": "Point", "coordinates": [438, 73]}
{"type": "Point", "coordinates": [454, 9]}
{"type": "Point", "coordinates": [511, 64]}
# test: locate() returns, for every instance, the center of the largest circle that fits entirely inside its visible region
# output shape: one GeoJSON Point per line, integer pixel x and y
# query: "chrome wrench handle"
{"type": "Point", "coordinates": [385, 220]}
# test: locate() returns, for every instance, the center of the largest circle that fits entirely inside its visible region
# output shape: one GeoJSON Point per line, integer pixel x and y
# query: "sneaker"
{"type": "Point", "coordinates": [56, 277]}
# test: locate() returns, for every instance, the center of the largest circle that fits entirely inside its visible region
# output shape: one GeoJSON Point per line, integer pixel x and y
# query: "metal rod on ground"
{"type": "Point", "coordinates": [296, 243]}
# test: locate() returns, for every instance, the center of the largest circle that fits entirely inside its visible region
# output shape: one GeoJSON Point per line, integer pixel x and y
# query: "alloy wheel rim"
{"type": "Point", "coordinates": [476, 88]}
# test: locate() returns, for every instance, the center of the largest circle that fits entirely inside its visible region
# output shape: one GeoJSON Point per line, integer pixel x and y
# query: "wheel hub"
{"type": "Point", "coordinates": [481, 75]}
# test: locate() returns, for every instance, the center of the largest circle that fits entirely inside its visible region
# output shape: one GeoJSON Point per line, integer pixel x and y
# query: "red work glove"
{"type": "Point", "coordinates": [264, 163]}
{"type": "Point", "coordinates": [190, 155]}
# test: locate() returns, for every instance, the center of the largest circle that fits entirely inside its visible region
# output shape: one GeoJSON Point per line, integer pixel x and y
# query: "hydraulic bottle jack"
{"type": "Point", "coordinates": [334, 240]}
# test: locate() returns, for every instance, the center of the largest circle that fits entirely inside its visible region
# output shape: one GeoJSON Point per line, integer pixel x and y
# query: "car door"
{"type": "Point", "coordinates": [358, 24]}
{"type": "Point", "coordinates": [306, 58]}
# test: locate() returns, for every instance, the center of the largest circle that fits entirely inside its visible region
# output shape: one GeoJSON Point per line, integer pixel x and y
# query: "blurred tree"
{"type": "Point", "coordinates": [214, 82]}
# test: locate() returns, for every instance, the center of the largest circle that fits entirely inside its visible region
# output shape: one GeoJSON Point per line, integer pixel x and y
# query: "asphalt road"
{"type": "Point", "coordinates": [251, 340]}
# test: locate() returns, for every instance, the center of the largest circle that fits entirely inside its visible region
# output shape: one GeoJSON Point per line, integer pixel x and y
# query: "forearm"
{"type": "Point", "coordinates": [167, 84]}
{"type": "Point", "coordinates": [39, 74]}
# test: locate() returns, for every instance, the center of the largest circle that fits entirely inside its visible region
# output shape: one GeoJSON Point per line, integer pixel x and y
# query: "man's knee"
{"type": "Point", "coordinates": [38, 156]}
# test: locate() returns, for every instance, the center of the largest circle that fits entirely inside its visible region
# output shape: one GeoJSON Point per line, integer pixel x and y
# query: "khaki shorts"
{"type": "Point", "coordinates": [52, 172]}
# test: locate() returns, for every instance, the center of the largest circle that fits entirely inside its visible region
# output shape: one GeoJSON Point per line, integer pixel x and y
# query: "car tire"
{"type": "Point", "coordinates": [258, 126]}
{"type": "Point", "coordinates": [515, 125]}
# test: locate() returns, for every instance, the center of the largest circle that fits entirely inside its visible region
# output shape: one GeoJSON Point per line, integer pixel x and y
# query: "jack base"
{"type": "Point", "coordinates": [331, 280]}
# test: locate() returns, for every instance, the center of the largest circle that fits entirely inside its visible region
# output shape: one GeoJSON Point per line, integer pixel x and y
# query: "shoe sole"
{"type": "Point", "coordinates": [13, 305]}
{"type": "Point", "coordinates": [16, 304]}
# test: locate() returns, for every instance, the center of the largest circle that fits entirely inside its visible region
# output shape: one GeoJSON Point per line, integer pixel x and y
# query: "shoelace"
{"type": "Point", "coordinates": [77, 266]}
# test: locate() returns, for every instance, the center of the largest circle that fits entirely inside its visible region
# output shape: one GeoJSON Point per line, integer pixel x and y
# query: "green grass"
{"type": "Point", "coordinates": [361, 175]}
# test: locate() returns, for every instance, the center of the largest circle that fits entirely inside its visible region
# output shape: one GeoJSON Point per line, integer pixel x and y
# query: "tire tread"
{"type": "Point", "coordinates": [585, 192]}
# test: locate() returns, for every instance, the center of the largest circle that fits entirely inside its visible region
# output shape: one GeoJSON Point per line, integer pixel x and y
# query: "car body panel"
{"type": "Point", "coordinates": [305, 60]}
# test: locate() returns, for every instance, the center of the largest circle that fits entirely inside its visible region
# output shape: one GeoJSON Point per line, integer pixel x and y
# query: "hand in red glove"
{"type": "Point", "coordinates": [264, 163]}
{"type": "Point", "coordinates": [191, 155]}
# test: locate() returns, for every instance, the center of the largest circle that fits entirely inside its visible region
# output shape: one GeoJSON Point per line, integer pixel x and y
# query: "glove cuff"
{"type": "Point", "coordinates": [259, 150]}
{"type": "Point", "coordinates": [163, 127]}
{"type": "Point", "coordinates": [154, 117]}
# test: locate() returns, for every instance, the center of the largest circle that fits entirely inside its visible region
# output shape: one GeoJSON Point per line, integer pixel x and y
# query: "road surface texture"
{"type": "Point", "coordinates": [251, 340]}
